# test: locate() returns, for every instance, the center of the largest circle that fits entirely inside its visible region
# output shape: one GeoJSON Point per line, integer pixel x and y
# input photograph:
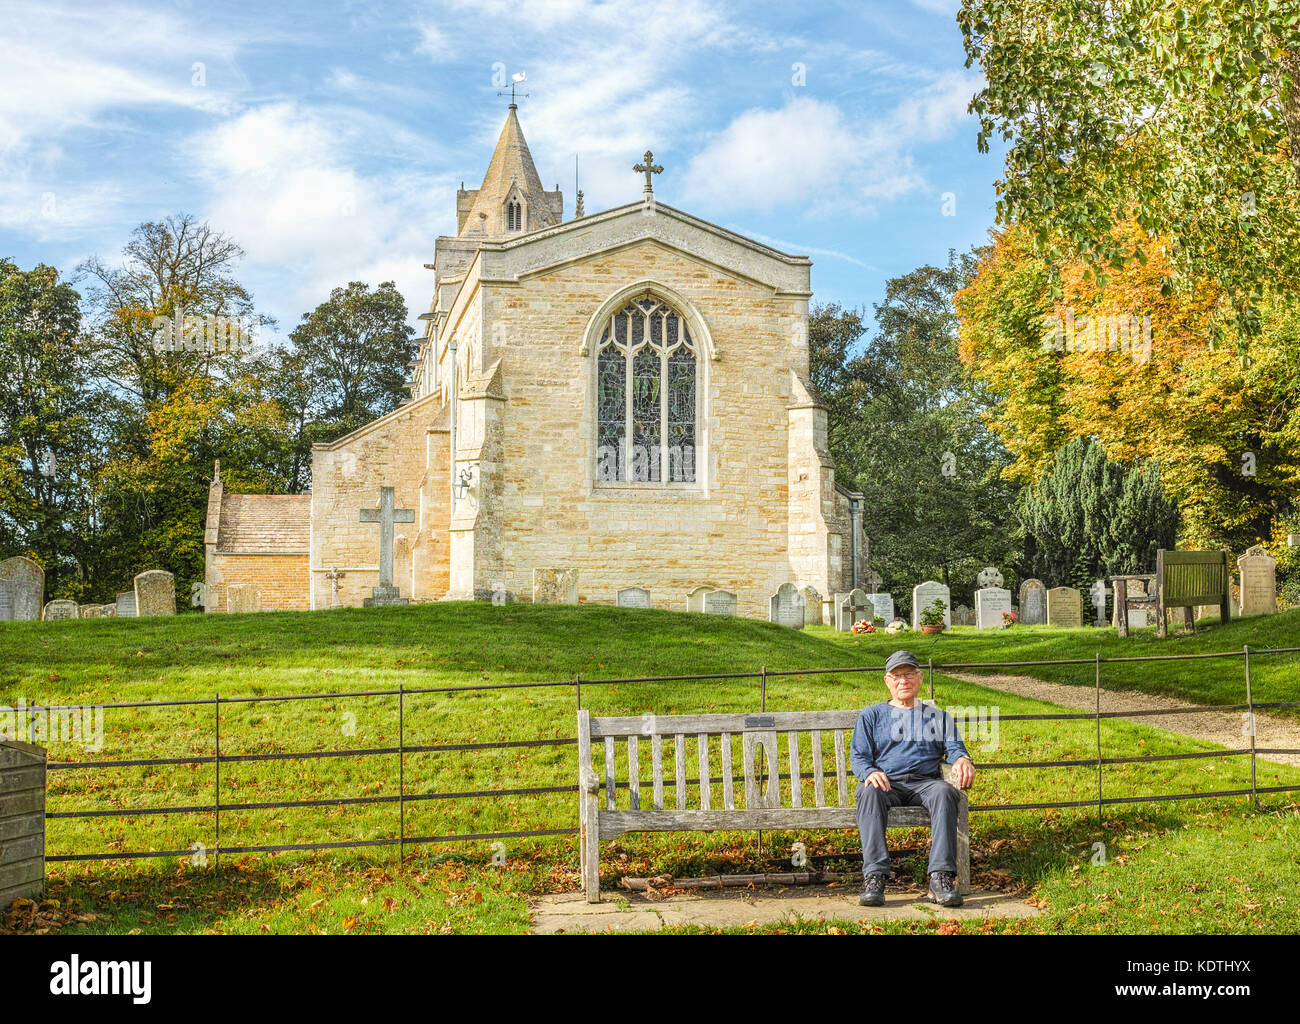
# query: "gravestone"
{"type": "Point", "coordinates": [155, 593]}
{"type": "Point", "coordinates": [990, 604]}
{"type": "Point", "coordinates": [1097, 594]}
{"type": "Point", "coordinates": [812, 606]}
{"type": "Point", "coordinates": [989, 577]}
{"type": "Point", "coordinates": [720, 602]}
{"type": "Point", "coordinates": [242, 598]}
{"type": "Point", "coordinates": [924, 594]}
{"type": "Point", "coordinates": [851, 608]}
{"type": "Point", "coordinates": [1064, 607]}
{"type": "Point", "coordinates": [634, 597]}
{"type": "Point", "coordinates": [6, 601]}
{"type": "Point", "coordinates": [1033, 603]}
{"type": "Point", "coordinates": [387, 515]}
{"type": "Point", "coordinates": [99, 611]}
{"type": "Point", "coordinates": [883, 603]}
{"type": "Point", "coordinates": [963, 616]}
{"type": "Point", "coordinates": [61, 609]}
{"type": "Point", "coordinates": [126, 605]}
{"type": "Point", "coordinates": [26, 587]}
{"type": "Point", "coordinates": [787, 606]}
{"type": "Point", "coordinates": [695, 599]}
{"type": "Point", "coordinates": [1258, 582]}
{"type": "Point", "coordinates": [555, 586]}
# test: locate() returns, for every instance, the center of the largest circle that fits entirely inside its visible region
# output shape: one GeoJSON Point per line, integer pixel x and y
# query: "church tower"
{"type": "Point", "coordinates": [511, 200]}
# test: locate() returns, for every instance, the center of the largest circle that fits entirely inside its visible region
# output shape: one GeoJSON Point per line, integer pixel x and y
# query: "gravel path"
{"type": "Point", "coordinates": [1221, 727]}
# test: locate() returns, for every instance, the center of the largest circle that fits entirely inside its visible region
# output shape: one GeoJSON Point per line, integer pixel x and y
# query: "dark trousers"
{"type": "Point", "coordinates": [935, 795]}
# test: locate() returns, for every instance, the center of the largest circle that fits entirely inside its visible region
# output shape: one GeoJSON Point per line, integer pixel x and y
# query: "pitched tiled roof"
{"type": "Point", "coordinates": [265, 523]}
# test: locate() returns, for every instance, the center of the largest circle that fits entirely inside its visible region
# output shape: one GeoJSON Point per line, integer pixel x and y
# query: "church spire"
{"type": "Point", "coordinates": [512, 199]}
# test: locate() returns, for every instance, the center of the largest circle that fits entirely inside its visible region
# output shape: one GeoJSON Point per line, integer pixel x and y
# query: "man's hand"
{"type": "Point", "coordinates": [880, 780]}
{"type": "Point", "coordinates": [965, 772]}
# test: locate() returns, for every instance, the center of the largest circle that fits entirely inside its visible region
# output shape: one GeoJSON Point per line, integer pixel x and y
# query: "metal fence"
{"type": "Point", "coordinates": [403, 750]}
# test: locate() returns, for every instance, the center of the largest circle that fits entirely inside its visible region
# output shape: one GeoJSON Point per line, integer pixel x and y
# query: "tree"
{"type": "Point", "coordinates": [355, 349]}
{"type": "Point", "coordinates": [1183, 115]}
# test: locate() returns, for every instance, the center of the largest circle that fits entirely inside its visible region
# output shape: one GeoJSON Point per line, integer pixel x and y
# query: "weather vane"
{"type": "Point", "coordinates": [515, 79]}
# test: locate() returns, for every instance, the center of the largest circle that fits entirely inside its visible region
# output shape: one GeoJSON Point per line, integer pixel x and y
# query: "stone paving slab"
{"type": "Point", "coordinates": [623, 912]}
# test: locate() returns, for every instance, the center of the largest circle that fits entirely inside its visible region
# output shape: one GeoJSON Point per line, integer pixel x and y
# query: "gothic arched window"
{"type": "Point", "coordinates": [514, 216]}
{"type": "Point", "coordinates": [646, 396]}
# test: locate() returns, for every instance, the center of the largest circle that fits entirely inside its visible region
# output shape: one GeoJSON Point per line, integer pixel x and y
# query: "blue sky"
{"type": "Point", "coordinates": [328, 139]}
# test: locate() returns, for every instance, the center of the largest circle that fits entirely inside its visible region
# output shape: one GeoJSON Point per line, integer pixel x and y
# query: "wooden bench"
{"type": "Point", "coordinates": [773, 788]}
{"type": "Point", "coordinates": [1185, 579]}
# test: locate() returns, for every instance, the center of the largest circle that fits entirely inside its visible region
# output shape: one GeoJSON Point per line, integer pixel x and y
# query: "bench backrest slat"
{"type": "Point", "coordinates": [841, 784]}
{"type": "Point", "coordinates": [679, 758]}
{"type": "Point", "coordinates": [610, 790]}
{"type": "Point", "coordinates": [728, 790]}
{"type": "Point", "coordinates": [1190, 578]}
{"type": "Point", "coordinates": [819, 783]}
{"type": "Point", "coordinates": [634, 772]}
{"type": "Point", "coordinates": [705, 781]}
{"type": "Point", "coordinates": [657, 769]}
{"type": "Point", "coordinates": [796, 783]}
{"type": "Point", "coordinates": [713, 724]}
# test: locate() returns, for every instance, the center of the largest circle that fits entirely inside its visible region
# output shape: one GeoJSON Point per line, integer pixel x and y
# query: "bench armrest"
{"type": "Point", "coordinates": [949, 774]}
{"type": "Point", "coordinates": [589, 781]}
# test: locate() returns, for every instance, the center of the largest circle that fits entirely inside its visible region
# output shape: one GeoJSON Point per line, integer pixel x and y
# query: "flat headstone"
{"type": "Point", "coordinates": [155, 593]}
{"type": "Point", "coordinates": [99, 611]}
{"type": "Point", "coordinates": [720, 602]}
{"type": "Point", "coordinates": [26, 587]}
{"type": "Point", "coordinates": [812, 606]}
{"type": "Point", "coordinates": [1258, 582]}
{"type": "Point", "coordinates": [989, 576]}
{"type": "Point", "coordinates": [1033, 603]}
{"type": "Point", "coordinates": [1064, 607]}
{"type": "Point", "coordinates": [852, 607]}
{"type": "Point", "coordinates": [61, 609]}
{"type": "Point", "coordinates": [242, 598]}
{"type": "Point", "coordinates": [555, 586]}
{"type": "Point", "coordinates": [924, 594]}
{"type": "Point", "coordinates": [786, 606]}
{"type": "Point", "coordinates": [990, 604]}
{"type": "Point", "coordinates": [126, 605]}
{"type": "Point", "coordinates": [883, 603]}
{"type": "Point", "coordinates": [634, 597]}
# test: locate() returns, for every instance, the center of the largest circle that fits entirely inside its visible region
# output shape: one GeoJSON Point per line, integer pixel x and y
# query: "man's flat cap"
{"type": "Point", "coordinates": [899, 659]}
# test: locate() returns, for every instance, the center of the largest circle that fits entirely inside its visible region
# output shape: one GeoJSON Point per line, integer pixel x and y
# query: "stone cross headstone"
{"type": "Point", "coordinates": [1258, 582]}
{"type": "Point", "coordinates": [812, 606]}
{"type": "Point", "coordinates": [555, 586]}
{"type": "Point", "coordinates": [989, 577]}
{"type": "Point", "coordinates": [786, 606]}
{"type": "Point", "coordinates": [387, 515]}
{"type": "Point", "coordinates": [883, 603]}
{"type": "Point", "coordinates": [26, 586]}
{"type": "Point", "coordinates": [1064, 607]}
{"type": "Point", "coordinates": [851, 608]}
{"type": "Point", "coordinates": [720, 602]}
{"type": "Point", "coordinates": [634, 597]}
{"type": "Point", "coordinates": [1033, 603]}
{"type": "Point", "coordinates": [155, 593]}
{"type": "Point", "coordinates": [242, 598]}
{"type": "Point", "coordinates": [126, 605]}
{"type": "Point", "coordinates": [872, 580]}
{"type": "Point", "coordinates": [924, 594]}
{"type": "Point", "coordinates": [1097, 595]}
{"type": "Point", "coordinates": [61, 609]}
{"type": "Point", "coordinates": [990, 603]}
{"type": "Point", "coordinates": [334, 575]}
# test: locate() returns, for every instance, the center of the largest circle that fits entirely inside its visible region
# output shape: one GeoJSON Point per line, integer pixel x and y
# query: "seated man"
{"type": "Point", "coordinates": [897, 747]}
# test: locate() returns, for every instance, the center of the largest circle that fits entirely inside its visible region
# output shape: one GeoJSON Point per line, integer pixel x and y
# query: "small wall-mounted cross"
{"type": "Point", "coordinates": [648, 168]}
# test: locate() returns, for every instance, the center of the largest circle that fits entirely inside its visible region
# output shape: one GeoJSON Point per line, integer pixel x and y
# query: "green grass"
{"type": "Point", "coordinates": [1154, 849]}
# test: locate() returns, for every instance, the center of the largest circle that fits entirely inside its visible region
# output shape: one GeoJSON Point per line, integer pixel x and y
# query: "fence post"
{"type": "Point", "coordinates": [1100, 818]}
{"type": "Point", "coordinates": [22, 821]}
{"type": "Point", "coordinates": [217, 854]}
{"type": "Point", "coordinates": [401, 774]}
{"type": "Point", "coordinates": [1250, 704]}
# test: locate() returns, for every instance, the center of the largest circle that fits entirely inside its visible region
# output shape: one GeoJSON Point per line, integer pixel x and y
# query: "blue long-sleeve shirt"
{"type": "Point", "coordinates": [897, 740]}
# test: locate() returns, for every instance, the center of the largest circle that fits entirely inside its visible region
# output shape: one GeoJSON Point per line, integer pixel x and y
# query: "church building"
{"type": "Point", "coordinates": [617, 402]}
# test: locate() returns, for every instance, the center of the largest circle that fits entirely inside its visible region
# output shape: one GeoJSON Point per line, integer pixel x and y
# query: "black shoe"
{"type": "Point", "coordinates": [943, 889]}
{"type": "Point", "coordinates": [873, 892]}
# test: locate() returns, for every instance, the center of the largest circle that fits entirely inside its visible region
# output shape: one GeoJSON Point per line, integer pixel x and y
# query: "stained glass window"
{"type": "Point", "coordinates": [646, 392]}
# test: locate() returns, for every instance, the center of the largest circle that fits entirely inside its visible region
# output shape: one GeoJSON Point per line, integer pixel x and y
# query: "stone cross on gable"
{"type": "Point", "coordinates": [386, 515]}
{"type": "Point", "coordinates": [648, 167]}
